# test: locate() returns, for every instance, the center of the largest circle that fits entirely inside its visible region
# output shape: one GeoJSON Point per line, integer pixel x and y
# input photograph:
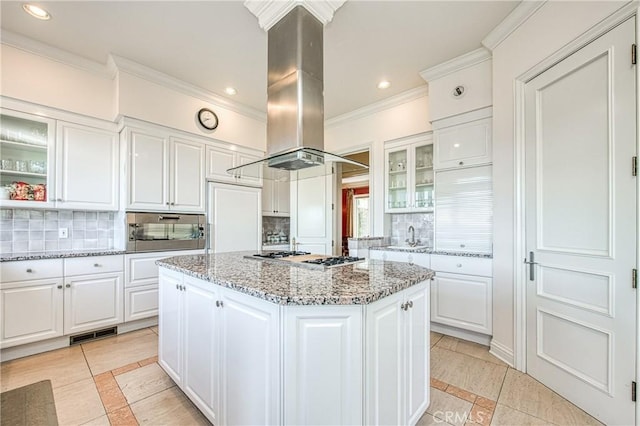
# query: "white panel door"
{"type": "Point", "coordinates": [92, 301]}
{"type": "Point", "coordinates": [384, 361]}
{"type": "Point", "coordinates": [463, 145]}
{"type": "Point", "coordinates": [250, 356]}
{"type": "Point", "coordinates": [581, 226]}
{"type": "Point", "coordinates": [187, 176]}
{"type": "Point", "coordinates": [140, 302]}
{"type": "Point", "coordinates": [200, 379]}
{"type": "Point", "coordinates": [312, 218]}
{"type": "Point", "coordinates": [463, 301]}
{"type": "Point", "coordinates": [234, 218]}
{"type": "Point", "coordinates": [148, 170]}
{"type": "Point", "coordinates": [87, 166]}
{"type": "Point", "coordinates": [416, 352]}
{"type": "Point", "coordinates": [219, 160]}
{"type": "Point", "coordinates": [323, 376]}
{"type": "Point", "coordinates": [30, 311]}
{"type": "Point", "coordinates": [170, 325]}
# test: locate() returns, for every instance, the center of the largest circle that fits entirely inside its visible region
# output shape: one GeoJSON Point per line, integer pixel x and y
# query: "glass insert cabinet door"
{"type": "Point", "coordinates": [397, 179]}
{"type": "Point", "coordinates": [25, 158]}
{"type": "Point", "coordinates": [423, 172]}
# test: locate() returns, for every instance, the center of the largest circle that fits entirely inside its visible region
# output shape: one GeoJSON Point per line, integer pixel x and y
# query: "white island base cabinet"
{"type": "Point", "coordinates": [243, 360]}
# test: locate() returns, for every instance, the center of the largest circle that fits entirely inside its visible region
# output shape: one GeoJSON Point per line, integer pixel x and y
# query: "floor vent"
{"type": "Point", "coordinates": [81, 338]}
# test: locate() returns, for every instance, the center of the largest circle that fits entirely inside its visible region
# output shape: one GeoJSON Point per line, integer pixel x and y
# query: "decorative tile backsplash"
{"type": "Point", "coordinates": [274, 225]}
{"type": "Point", "coordinates": [23, 230]}
{"type": "Point", "coordinates": [421, 222]}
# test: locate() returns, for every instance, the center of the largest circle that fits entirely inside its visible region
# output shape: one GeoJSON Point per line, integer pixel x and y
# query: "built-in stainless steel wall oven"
{"type": "Point", "coordinates": [165, 231]}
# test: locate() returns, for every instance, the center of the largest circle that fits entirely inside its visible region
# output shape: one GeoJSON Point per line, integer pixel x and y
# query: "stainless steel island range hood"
{"type": "Point", "coordinates": [295, 103]}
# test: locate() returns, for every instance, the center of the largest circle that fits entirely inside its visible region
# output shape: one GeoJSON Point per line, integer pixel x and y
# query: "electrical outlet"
{"type": "Point", "coordinates": [63, 232]}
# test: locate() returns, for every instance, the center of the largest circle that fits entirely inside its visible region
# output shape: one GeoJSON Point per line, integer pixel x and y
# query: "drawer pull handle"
{"type": "Point", "coordinates": [97, 265]}
{"type": "Point", "coordinates": [462, 245]}
{"type": "Point", "coordinates": [29, 270]}
{"type": "Point", "coordinates": [461, 163]}
{"type": "Point", "coordinates": [459, 265]}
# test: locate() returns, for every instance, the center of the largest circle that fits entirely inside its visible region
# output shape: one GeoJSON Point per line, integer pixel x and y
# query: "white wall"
{"type": "Point", "coordinates": [149, 101]}
{"type": "Point", "coordinates": [373, 130]}
{"type": "Point", "coordinates": [554, 25]}
{"type": "Point", "coordinates": [47, 82]}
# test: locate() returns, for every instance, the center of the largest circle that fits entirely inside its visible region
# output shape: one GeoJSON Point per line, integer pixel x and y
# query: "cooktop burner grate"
{"type": "Point", "coordinates": [280, 254]}
{"type": "Point", "coordinates": [333, 261]}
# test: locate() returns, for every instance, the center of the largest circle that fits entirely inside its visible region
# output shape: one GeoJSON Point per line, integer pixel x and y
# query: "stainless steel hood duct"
{"type": "Point", "coordinates": [295, 102]}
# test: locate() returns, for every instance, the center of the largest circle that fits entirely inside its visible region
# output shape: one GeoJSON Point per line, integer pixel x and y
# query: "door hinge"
{"type": "Point", "coordinates": [634, 166]}
{"type": "Point", "coordinates": [633, 391]}
{"type": "Point", "coordinates": [634, 279]}
{"type": "Point", "coordinates": [633, 54]}
{"type": "Point", "coordinates": [333, 206]}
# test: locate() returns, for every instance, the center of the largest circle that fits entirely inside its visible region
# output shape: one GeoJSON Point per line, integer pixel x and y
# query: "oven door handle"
{"type": "Point", "coordinates": [168, 217]}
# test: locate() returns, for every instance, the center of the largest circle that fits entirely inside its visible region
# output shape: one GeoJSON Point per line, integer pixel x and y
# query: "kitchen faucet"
{"type": "Point", "coordinates": [412, 242]}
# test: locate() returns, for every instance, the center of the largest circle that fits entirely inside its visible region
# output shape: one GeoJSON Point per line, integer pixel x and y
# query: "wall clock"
{"type": "Point", "coordinates": [207, 119]}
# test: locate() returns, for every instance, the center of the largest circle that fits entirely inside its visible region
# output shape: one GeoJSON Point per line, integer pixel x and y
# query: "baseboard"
{"type": "Point", "coordinates": [14, 352]}
{"type": "Point", "coordinates": [501, 352]}
{"type": "Point", "coordinates": [471, 336]}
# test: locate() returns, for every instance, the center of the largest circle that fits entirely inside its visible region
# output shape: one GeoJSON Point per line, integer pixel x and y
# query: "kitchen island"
{"type": "Point", "coordinates": [271, 342]}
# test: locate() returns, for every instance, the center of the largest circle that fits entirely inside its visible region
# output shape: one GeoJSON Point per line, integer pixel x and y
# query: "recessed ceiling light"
{"type": "Point", "coordinates": [384, 84]}
{"type": "Point", "coordinates": [230, 91]}
{"type": "Point", "coordinates": [36, 11]}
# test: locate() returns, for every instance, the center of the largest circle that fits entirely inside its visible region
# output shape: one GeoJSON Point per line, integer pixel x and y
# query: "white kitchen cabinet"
{"type": "Point", "coordinates": [165, 173]}
{"type": "Point", "coordinates": [234, 218]}
{"type": "Point", "coordinates": [275, 198]}
{"type": "Point", "coordinates": [220, 159]}
{"type": "Point", "coordinates": [421, 259]}
{"type": "Point", "coordinates": [206, 332]}
{"type": "Point", "coordinates": [27, 154]}
{"type": "Point", "coordinates": [87, 168]}
{"type": "Point", "coordinates": [323, 380]}
{"type": "Point", "coordinates": [461, 293]}
{"type": "Point", "coordinates": [30, 311]}
{"type": "Point", "coordinates": [93, 293]}
{"type": "Point", "coordinates": [463, 141]}
{"type": "Point", "coordinates": [397, 357]}
{"type": "Point", "coordinates": [409, 176]}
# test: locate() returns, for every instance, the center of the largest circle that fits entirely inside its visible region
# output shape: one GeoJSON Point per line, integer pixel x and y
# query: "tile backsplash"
{"type": "Point", "coordinates": [273, 225]}
{"type": "Point", "coordinates": [23, 230]}
{"type": "Point", "coordinates": [421, 222]}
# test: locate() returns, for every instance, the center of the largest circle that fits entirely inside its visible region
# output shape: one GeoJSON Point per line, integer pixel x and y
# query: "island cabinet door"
{"type": "Point", "coordinates": [170, 324]}
{"type": "Point", "coordinates": [201, 349]}
{"type": "Point", "coordinates": [384, 365]}
{"type": "Point", "coordinates": [250, 360]}
{"type": "Point", "coordinates": [323, 358]}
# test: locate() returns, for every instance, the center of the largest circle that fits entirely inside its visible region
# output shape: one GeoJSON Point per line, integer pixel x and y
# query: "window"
{"type": "Point", "coordinates": [360, 211]}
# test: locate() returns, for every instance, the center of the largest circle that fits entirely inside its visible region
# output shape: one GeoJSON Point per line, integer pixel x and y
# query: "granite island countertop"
{"type": "Point", "coordinates": [284, 284]}
{"type": "Point", "coordinates": [59, 254]}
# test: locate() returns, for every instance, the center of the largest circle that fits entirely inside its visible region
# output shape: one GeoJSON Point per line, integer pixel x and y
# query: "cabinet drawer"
{"type": "Point", "coordinates": [93, 265]}
{"type": "Point", "coordinates": [461, 265]}
{"type": "Point", "coordinates": [24, 270]}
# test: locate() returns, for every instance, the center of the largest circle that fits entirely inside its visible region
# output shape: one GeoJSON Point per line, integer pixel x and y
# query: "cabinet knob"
{"type": "Point", "coordinates": [459, 265]}
{"type": "Point", "coordinates": [68, 286]}
{"type": "Point", "coordinates": [167, 203]}
{"type": "Point", "coordinates": [60, 286]}
{"type": "Point", "coordinates": [462, 245]}
{"type": "Point", "coordinates": [177, 287]}
{"type": "Point", "coordinates": [29, 270]}
{"type": "Point", "coordinates": [461, 163]}
{"type": "Point", "coordinates": [173, 204]}
{"type": "Point", "coordinates": [97, 265]}
{"type": "Point", "coordinates": [410, 303]}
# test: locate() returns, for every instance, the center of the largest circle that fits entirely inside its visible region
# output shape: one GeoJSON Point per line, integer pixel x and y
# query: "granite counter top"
{"type": "Point", "coordinates": [277, 282]}
{"type": "Point", "coordinates": [38, 255]}
{"type": "Point", "coordinates": [432, 251]}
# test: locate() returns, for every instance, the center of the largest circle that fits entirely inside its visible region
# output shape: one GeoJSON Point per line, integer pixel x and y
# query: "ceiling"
{"type": "Point", "coordinates": [215, 44]}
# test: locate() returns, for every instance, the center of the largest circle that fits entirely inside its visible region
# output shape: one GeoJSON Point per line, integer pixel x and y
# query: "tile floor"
{"type": "Point", "coordinates": [117, 381]}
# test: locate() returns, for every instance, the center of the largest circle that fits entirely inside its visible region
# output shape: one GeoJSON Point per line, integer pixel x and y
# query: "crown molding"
{"type": "Point", "coordinates": [165, 80]}
{"type": "Point", "coordinates": [269, 12]}
{"type": "Point", "coordinates": [56, 54]}
{"type": "Point", "coordinates": [393, 101]}
{"type": "Point", "coordinates": [456, 64]}
{"type": "Point", "coordinates": [517, 17]}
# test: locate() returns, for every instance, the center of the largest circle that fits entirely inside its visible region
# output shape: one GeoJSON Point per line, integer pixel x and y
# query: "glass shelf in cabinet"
{"type": "Point", "coordinates": [397, 172]}
{"type": "Point", "coordinates": [23, 146]}
{"type": "Point", "coordinates": [394, 188]}
{"type": "Point", "coordinates": [24, 174]}
{"type": "Point", "coordinates": [421, 185]}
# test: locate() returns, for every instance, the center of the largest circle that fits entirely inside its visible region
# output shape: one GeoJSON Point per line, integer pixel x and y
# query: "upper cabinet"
{"type": "Point", "coordinates": [164, 173]}
{"type": "Point", "coordinates": [27, 152]}
{"type": "Point", "coordinates": [220, 159]}
{"type": "Point", "coordinates": [275, 198]}
{"type": "Point", "coordinates": [409, 174]}
{"type": "Point", "coordinates": [462, 142]}
{"type": "Point", "coordinates": [75, 166]}
{"type": "Point", "coordinates": [87, 164]}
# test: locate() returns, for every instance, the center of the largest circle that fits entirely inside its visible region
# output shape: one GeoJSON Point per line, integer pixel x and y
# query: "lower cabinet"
{"type": "Point", "coordinates": [397, 357]}
{"type": "Point", "coordinates": [221, 348]}
{"type": "Point", "coordinates": [421, 259]}
{"type": "Point", "coordinates": [323, 360]}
